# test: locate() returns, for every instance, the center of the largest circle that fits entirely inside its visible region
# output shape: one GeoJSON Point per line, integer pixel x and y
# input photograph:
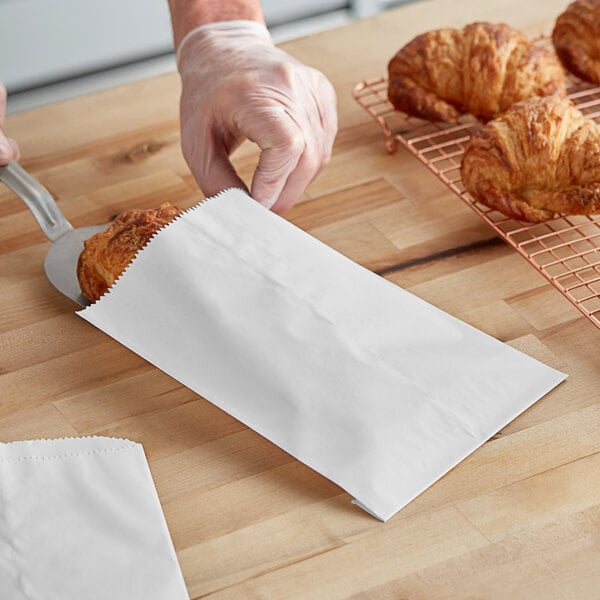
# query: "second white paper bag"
{"type": "Point", "coordinates": [367, 384]}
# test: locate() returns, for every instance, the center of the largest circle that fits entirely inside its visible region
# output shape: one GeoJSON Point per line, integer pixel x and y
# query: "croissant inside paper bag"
{"type": "Point", "coordinates": [106, 254]}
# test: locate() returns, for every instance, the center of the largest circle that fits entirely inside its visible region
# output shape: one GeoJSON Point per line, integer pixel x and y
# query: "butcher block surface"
{"type": "Point", "coordinates": [518, 519]}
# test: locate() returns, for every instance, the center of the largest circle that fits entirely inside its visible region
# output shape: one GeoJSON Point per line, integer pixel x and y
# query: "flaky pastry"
{"type": "Point", "coordinates": [539, 160]}
{"type": "Point", "coordinates": [576, 38]}
{"type": "Point", "coordinates": [482, 70]}
{"type": "Point", "coordinates": [106, 254]}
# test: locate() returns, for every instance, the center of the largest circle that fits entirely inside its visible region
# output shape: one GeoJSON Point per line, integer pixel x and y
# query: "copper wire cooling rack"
{"type": "Point", "coordinates": [565, 250]}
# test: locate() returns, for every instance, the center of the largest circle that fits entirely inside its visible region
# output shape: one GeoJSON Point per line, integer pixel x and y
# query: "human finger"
{"type": "Point", "coordinates": [8, 148]}
{"type": "Point", "coordinates": [208, 159]}
{"type": "Point", "coordinates": [282, 144]}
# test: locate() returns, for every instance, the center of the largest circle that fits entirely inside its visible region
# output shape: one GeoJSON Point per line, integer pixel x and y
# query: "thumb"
{"type": "Point", "coordinates": [8, 148]}
{"type": "Point", "coordinates": [2, 104]}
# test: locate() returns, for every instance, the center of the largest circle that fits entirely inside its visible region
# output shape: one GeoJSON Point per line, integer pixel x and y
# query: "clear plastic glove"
{"type": "Point", "coordinates": [8, 148]}
{"type": "Point", "coordinates": [236, 85]}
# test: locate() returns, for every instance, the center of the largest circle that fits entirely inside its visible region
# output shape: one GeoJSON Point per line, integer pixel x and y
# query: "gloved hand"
{"type": "Point", "coordinates": [8, 148]}
{"type": "Point", "coordinates": [236, 84]}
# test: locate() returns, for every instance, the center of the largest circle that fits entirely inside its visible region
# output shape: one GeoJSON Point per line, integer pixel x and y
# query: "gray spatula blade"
{"type": "Point", "coordinates": [61, 259]}
{"type": "Point", "coordinates": [61, 262]}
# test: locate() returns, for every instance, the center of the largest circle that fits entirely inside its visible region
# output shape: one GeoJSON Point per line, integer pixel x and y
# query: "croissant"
{"type": "Point", "coordinates": [538, 160]}
{"type": "Point", "coordinates": [482, 69]}
{"type": "Point", "coordinates": [576, 38]}
{"type": "Point", "coordinates": [106, 254]}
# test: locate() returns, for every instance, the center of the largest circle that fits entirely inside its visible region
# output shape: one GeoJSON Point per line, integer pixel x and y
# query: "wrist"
{"type": "Point", "coordinates": [187, 15]}
{"type": "Point", "coordinates": [205, 39]}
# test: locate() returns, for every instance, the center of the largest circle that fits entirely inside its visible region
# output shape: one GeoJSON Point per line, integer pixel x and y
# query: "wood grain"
{"type": "Point", "coordinates": [519, 518]}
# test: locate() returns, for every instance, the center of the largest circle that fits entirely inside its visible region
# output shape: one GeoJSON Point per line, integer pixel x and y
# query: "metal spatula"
{"type": "Point", "coordinates": [61, 258]}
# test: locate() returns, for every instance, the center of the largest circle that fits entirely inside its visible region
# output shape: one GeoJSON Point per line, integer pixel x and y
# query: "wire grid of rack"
{"type": "Point", "coordinates": [565, 250]}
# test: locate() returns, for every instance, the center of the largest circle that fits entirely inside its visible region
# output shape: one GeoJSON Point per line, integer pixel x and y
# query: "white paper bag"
{"type": "Point", "coordinates": [80, 519]}
{"type": "Point", "coordinates": [367, 384]}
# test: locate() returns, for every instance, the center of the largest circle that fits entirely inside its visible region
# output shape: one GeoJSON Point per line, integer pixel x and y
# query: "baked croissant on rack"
{"type": "Point", "coordinates": [576, 38]}
{"type": "Point", "coordinates": [539, 160]}
{"type": "Point", "coordinates": [106, 254]}
{"type": "Point", "coordinates": [481, 69]}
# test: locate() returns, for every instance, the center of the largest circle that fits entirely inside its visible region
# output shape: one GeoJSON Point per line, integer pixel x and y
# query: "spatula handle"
{"type": "Point", "coordinates": [37, 198]}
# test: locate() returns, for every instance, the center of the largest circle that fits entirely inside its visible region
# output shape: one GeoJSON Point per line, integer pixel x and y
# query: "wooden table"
{"type": "Point", "coordinates": [520, 518]}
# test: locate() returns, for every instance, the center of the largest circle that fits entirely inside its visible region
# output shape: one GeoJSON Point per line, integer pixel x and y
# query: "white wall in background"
{"type": "Point", "coordinates": [47, 40]}
{"type": "Point", "coordinates": [51, 49]}
{"type": "Point", "coordinates": [285, 11]}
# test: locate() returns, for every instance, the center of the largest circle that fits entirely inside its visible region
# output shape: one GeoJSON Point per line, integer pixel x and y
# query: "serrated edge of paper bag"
{"type": "Point", "coordinates": [207, 200]}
